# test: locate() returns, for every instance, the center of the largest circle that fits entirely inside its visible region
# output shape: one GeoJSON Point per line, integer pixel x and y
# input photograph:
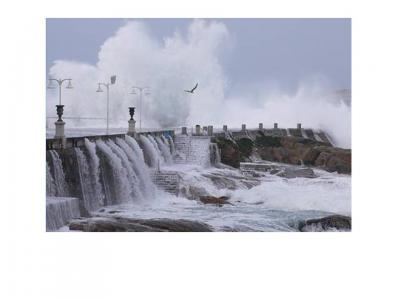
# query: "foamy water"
{"type": "Point", "coordinates": [277, 204]}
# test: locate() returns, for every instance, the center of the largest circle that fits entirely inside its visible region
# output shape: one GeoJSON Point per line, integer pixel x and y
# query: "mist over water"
{"type": "Point", "coordinates": [178, 62]}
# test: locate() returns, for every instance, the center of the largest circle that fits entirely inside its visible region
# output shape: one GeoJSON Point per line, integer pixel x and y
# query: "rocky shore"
{"type": "Point", "coordinates": [125, 224]}
{"type": "Point", "coordinates": [284, 149]}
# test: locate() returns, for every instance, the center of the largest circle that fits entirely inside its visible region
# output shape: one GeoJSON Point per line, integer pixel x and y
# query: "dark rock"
{"type": "Point", "coordinates": [122, 224]}
{"type": "Point", "coordinates": [230, 154]}
{"type": "Point", "coordinates": [333, 222]}
{"type": "Point", "coordinates": [285, 149]}
{"type": "Point", "coordinates": [246, 146]}
{"type": "Point", "coordinates": [215, 200]}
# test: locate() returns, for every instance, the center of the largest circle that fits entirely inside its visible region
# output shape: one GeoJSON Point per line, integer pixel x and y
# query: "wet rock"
{"type": "Point", "coordinates": [295, 150]}
{"type": "Point", "coordinates": [123, 224]}
{"type": "Point", "coordinates": [230, 154]}
{"type": "Point", "coordinates": [215, 200]}
{"type": "Point", "coordinates": [329, 223]}
{"type": "Point", "coordinates": [294, 173]}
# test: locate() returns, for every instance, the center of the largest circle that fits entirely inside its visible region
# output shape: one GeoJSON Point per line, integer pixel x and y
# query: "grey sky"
{"type": "Point", "coordinates": [281, 51]}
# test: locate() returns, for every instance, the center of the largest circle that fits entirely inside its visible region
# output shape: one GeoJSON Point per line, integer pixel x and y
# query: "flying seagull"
{"type": "Point", "coordinates": [192, 90]}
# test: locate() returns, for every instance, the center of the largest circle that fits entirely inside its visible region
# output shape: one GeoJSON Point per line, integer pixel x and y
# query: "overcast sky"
{"type": "Point", "coordinates": [282, 51]}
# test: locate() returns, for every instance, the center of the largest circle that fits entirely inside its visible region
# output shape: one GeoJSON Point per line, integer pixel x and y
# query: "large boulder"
{"type": "Point", "coordinates": [215, 200]}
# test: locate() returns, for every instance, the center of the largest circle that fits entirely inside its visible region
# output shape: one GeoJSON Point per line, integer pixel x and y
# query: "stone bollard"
{"type": "Point", "coordinates": [298, 126]}
{"type": "Point", "coordinates": [60, 134]}
{"type": "Point", "coordinates": [204, 129]}
{"type": "Point", "coordinates": [131, 122]}
{"type": "Point", "coordinates": [225, 128]}
{"type": "Point", "coordinates": [198, 128]}
{"type": "Point", "coordinates": [131, 127]}
{"type": "Point", "coordinates": [59, 129]}
{"type": "Point", "coordinates": [275, 125]}
{"type": "Point", "coordinates": [260, 126]}
{"type": "Point", "coordinates": [210, 130]}
{"type": "Point", "coordinates": [184, 130]}
{"type": "Point", "coordinates": [243, 127]}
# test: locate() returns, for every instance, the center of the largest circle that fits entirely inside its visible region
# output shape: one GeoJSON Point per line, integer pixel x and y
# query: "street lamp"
{"type": "Point", "coordinates": [60, 108]}
{"type": "Point", "coordinates": [99, 90]}
{"type": "Point", "coordinates": [146, 91]}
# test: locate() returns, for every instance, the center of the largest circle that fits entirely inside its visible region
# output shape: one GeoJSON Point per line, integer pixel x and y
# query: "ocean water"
{"type": "Point", "coordinates": [276, 204]}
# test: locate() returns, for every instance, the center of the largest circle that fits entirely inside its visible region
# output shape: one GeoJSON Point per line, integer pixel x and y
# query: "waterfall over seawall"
{"type": "Point", "coordinates": [152, 155]}
{"type": "Point", "coordinates": [136, 160]}
{"type": "Point", "coordinates": [199, 152]}
{"type": "Point", "coordinates": [215, 154]}
{"type": "Point", "coordinates": [60, 210]}
{"type": "Point", "coordinates": [193, 150]}
{"type": "Point", "coordinates": [117, 177]}
{"type": "Point", "coordinates": [171, 145]}
{"type": "Point", "coordinates": [50, 185]}
{"type": "Point", "coordinates": [157, 148]}
{"type": "Point", "coordinates": [58, 175]}
{"type": "Point", "coordinates": [165, 150]}
{"type": "Point", "coordinates": [114, 171]}
{"type": "Point", "coordinates": [97, 188]}
{"type": "Point", "coordinates": [90, 187]}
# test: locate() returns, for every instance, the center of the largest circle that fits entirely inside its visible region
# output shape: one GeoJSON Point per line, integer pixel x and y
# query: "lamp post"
{"type": "Point", "coordinates": [145, 89]}
{"type": "Point", "coordinates": [60, 108]}
{"type": "Point", "coordinates": [99, 90]}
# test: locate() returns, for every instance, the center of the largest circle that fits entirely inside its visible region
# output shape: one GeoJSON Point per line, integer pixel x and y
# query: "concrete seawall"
{"type": "Point", "coordinates": [71, 142]}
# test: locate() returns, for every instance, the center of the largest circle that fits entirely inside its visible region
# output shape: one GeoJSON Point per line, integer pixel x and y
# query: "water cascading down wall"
{"type": "Point", "coordinates": [105, 172]}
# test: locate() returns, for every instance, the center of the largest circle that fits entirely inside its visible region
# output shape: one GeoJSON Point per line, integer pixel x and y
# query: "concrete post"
{"type": "Point", "coordinates": [131, 127]}
{"type": "Point", "coordinates": [197, 132]}
{"type": "Point", "coordinates": [298, 126]}
{"type": "Point", "coordinates": [60, 123]}
{"type": "Point", "coordinates": [260, 126]}
{"type": "Point", "coordinates": [184, 130]}
{"type": "Point", "coordinates": [243, 127]}
{"type": "Point", "coordinates": [59, 129]}
{"type": "Point", "coordinates": [210, 130]}
{"type": "Point", "coordinates": [204, 129]}
{"type": "Point", "coordinates": [275, 125]}
{"type": "Point", "coordinates": [225, 128]}
{"type": "Point", "coordinates": [131, 121]}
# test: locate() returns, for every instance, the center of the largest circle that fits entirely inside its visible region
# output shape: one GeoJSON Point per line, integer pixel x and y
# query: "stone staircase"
{"type": "Point", "coordinates": [167, 181]}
